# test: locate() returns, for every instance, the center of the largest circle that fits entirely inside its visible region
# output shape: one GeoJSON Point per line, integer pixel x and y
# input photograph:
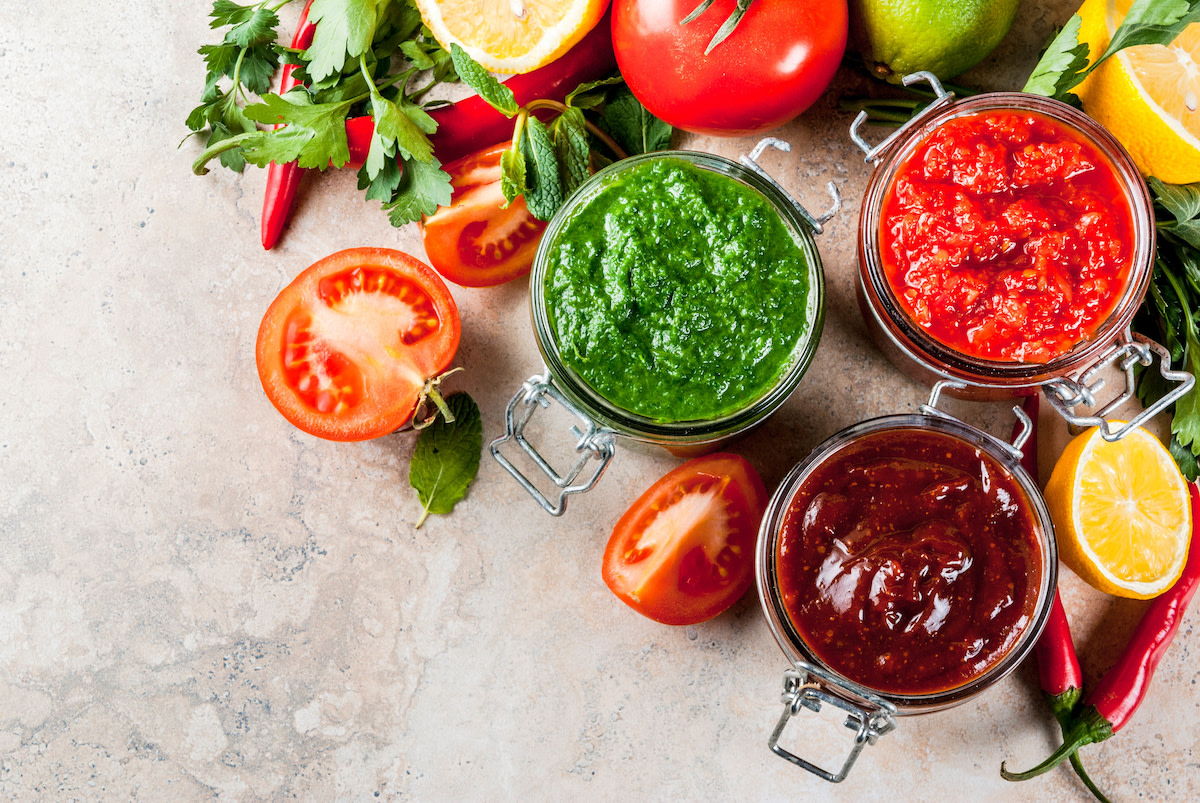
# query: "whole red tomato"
{"type": "Point", "coordinates": [775, 63]}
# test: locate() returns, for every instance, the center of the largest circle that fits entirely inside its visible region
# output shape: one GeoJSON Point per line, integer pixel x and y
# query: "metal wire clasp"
{"type": "Point", "coordinates": [751, 163]}
{"type": "Point", "coordinates": [591, 442]}
{"type": "Point", "coordinates": [868, 721]}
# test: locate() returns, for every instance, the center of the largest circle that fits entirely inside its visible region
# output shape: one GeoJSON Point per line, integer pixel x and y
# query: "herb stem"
{"type": "Point", "coordinates": [592, 128]}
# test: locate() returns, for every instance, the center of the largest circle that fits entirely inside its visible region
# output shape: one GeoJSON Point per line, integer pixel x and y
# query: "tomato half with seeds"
{"type": "Point", "coordinates": [477, 241]}
{"type": "Point", "coordinates": [344, 351]}
{"type": "Point", "coordinates": [684, 551]}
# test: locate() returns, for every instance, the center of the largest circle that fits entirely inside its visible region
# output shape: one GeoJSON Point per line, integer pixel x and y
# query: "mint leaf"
{"type": "Point", "coordinates": [512, 173]}
{"type": "Point", "coordinates": [593, 93]}
{"type": "Point", "coordinates": [572, 148]}
{"type": "Point", "coordinates": [543, 182]}
{"type": "Point", "coordinates": [345, 28]}
{"type": "Point", "coordinates": [483, 82]}
{"type": "Point", "coordinates": [423, 187]}
{"type": "Point", "coordinates": [446, 457]}
{"type": "Point", "coordinates": [635, 129]}
{"type": "Point", "coordinates": [1059, 68]}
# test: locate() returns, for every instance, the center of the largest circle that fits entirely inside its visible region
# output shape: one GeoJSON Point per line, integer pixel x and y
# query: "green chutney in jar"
{"type": "Point", "coordinates": [677, 293]}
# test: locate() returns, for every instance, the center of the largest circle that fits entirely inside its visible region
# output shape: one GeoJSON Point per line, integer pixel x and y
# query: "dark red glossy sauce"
{"type": "Point", "coordinates": [1006, 235]}
{"type": "Point", "coordinates": [909, 561]}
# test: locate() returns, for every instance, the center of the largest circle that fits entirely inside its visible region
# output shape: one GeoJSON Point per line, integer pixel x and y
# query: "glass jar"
{"type": "Point", "coordinates": [1071, 378]}
{"type": "Point", "coordinates": [819, 674]}
{"type": "Point", "coordinates": [602, 423]}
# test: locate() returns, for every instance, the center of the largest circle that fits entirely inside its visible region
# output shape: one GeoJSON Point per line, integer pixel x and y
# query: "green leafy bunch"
{"type": "Point", "coordinates": [1171, 313]}
{"type": "Point", "coordinates": [376, 57]}
{"type": "Point", "coordinates": [367, 56]}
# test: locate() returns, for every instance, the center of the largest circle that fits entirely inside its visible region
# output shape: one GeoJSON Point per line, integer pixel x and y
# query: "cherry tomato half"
{"type": "Point", "coordinates": [344, 350]}
{"type": "Point", "coordinates": [476, 241]}
{"type": "Point", "coordinates": [684, 551]}
{"type": "Point", "coordinates": [775, 63]}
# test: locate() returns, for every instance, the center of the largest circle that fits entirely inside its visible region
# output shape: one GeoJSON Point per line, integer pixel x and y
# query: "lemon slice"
{"type": "Point", "coordinates": [511, 36]}
{"type": "Point", "coordinates": [1148, 96]}
{"type": "Point", "coordinates": [1121, 513]}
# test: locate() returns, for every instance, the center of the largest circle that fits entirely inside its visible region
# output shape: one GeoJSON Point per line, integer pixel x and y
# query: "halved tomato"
{"type": "Point", "coordinates": [476, 241]}
{"type": "Point", "coordinates": [684, 551]}
{"type": "Point", "coordinates": [344, 351]}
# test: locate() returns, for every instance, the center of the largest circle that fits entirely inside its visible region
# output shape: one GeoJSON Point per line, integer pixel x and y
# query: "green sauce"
{"type": "Point", "coordinates": [677, 293]}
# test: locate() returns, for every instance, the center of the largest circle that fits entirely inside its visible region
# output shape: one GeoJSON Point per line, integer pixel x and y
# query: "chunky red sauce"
{"type": "Point", "coordinates": [909, 562]}
{"type": "Point", "coordinates": [1006, 235]}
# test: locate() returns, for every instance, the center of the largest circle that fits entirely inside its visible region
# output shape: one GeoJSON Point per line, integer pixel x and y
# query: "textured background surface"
{"type": "Point", "coordinates": [197, 600]}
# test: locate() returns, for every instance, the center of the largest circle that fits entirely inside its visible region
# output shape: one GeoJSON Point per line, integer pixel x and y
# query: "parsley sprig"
{"type": "Point", "coordinates": [1067, 62]}
{"type": "Point", "coordinates": [375, 57]}
{"type": "Point", "coordinates": [367, 57]}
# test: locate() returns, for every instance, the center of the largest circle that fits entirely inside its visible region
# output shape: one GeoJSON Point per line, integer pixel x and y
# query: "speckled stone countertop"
{"type": "Point", "coordinates": [199, 601]}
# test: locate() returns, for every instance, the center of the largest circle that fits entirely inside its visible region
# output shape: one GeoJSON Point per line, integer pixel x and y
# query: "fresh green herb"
{"type": "Point", "coordinates": [1065, 65]}
{"type": "Point", "coordinates": [1171, 312]}
{"type": "Point", "coordinates": [446, 457]}
{"type": "Point", "coordinates": [367, 56]}
{"type": "Point", "coordinates": [548, 161]}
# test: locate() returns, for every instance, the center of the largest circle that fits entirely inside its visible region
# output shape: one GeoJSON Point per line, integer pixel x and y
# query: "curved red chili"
{"type": "Point", "coordinates": [284, 180]}
{"type": "Point", "coordinates": [463, 128]}
{"type": "Point", "coordinates": [1109, 707]}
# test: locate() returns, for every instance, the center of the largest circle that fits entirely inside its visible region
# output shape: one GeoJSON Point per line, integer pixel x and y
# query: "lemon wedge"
{"type": "Point", "coordinates": [1148, 96]}
{"type": "Point", "coordinates": [511, 36]}
{"type": "Point", "coordinates": [1121, 512]}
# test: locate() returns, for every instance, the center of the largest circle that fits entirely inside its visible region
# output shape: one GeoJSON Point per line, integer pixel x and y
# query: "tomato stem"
{"type": "Point", "coordinates": [726, 28]}
{"type": "Point", "coordinates": [430, 393]}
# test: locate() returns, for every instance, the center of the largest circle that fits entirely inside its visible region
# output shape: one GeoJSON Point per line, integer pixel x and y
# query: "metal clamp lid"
{"type": "Point", "coordinates": [1014, 449]}
{"type": "Point", "coordinates": [943, 98]}
{"type": "Point", "coordinates": [750, 163]}
{"type": "Point", "coordinates": [592, 442]}
{"type": "Point", "coordinates": [805, 686]}
{"type": "Point", "coordinates": [1066, 394]}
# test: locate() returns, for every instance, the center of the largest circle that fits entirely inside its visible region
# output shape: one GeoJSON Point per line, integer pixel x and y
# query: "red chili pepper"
{"type": "Point", "coordinates": [1109, 707]}
{"type": "Point", "coordinates": [284, 180]}
{"type": "Point", "coordinates": [1058, 666]}
{"type": "Point", "coordinates": [463, 128]}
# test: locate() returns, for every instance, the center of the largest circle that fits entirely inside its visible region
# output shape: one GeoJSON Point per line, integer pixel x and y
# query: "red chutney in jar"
{"type": "Point", "coordinates": [1006, 235]}
{"type": "Point", "coordinates": [909, 561]}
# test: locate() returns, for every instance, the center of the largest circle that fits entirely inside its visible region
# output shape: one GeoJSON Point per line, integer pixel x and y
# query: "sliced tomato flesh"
{"type": "Point", "coordinates": [345, 350]}
{"type": "Point", "coordinates": [683, 552]}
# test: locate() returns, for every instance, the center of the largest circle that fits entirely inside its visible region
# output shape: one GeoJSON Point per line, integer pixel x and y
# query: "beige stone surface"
{"type": "Point", "coordinates": [199, 601]}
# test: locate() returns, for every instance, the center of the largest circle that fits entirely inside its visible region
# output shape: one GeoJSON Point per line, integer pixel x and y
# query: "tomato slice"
{"type": "Point", "coordinates": [476, 241]}
{"type": "Point", "coordinates": [684, 551]}
{"type": "Point", "coordinates": [344, 350]}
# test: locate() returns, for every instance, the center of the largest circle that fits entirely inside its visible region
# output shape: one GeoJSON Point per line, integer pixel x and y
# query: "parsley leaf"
{"type": "Point", "coordinates": [446, 457]}
{"type": "Point", "coordinates": [1057, 70]}
{"type": "Point", "coordinates": [1064, 65]}
{"type": "Point", "coordinates": [422, 188]}
{"type": "Point", "coordinates": [314, 134]}
{"type": "Point", "coordinates": [345, 28]}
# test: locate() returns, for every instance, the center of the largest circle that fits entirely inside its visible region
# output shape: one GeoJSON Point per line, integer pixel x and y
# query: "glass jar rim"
{"type": "Point", "coordinates": [792, 642]}
{"type": "Point", "coordinates": [1002, 372]}
{"type": "Point", "coordinates": [634, 425]}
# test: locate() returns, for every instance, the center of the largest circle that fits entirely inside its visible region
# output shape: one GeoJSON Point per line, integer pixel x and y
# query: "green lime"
{"type": "Point", "coordinates": [945, 37]}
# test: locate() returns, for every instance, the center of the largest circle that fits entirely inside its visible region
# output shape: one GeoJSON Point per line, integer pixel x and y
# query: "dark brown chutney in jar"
{"type": "Point", "coordinates": [909, 561]}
